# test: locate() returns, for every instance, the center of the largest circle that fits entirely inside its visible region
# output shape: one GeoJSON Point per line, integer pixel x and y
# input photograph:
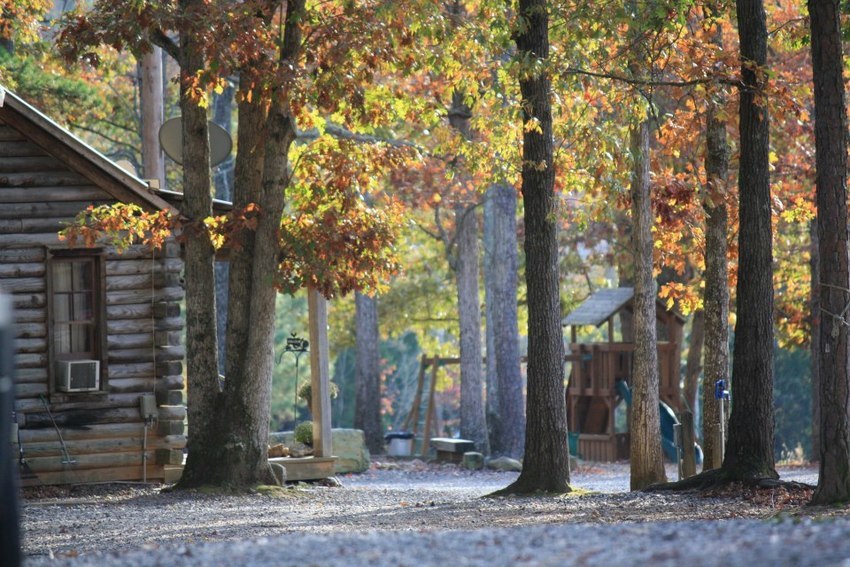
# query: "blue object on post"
{"type": "Point", "coordinates": [720, 391]}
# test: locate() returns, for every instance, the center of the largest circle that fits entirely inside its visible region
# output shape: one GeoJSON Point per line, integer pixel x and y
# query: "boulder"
{"type": "Point", "coordinates": [347, 445]}
{"type": "Point", "coordinates": [504, 464]}
{"type": "Point", "coordinates": [473, 461]}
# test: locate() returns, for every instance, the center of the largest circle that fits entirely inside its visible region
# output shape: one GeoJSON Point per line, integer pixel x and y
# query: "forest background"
{"type": "Point", "coordinates": [418, 310]}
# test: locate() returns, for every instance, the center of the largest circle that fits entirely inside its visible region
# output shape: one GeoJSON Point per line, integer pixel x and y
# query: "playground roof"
{"type": "Point", "coordinates": [597, 308]}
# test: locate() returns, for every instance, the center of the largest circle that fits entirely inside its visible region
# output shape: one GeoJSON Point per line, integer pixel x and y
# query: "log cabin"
{"type": "Point", "coordinates": [98, 348]}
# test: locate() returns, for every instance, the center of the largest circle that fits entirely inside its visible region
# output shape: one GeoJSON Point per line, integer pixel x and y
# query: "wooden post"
{"type": "Point", "coordinates": [689, 465]}
{"type": "Point", "coordinates": [426, 440]}
{"type": "Point", "coordinates": [317, 307]}
{"type": "Point", "coordinates": [151, 98]}
{"type": "Point", "coordinates": [413, 416]}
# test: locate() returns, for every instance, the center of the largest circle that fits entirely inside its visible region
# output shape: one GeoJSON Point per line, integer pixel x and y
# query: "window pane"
{"type": "Point", "coordinates": [62, 276]}
{"type": "Point", "coordinates": [81, 338]}
{"type": "Point", "coordinates": [83, 308]}
{"type": "Point", "coordinates": [73, 339]}
{"type": "Point", "coordinates": [61, 307]}
{"type": "Point", "coordinates": [62, 339]}
{"type": "Point", "coordinates": [82, 275]}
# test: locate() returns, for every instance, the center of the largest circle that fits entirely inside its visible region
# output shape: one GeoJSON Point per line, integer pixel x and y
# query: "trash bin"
{"type": "Point", "coordinates": [399, 443]}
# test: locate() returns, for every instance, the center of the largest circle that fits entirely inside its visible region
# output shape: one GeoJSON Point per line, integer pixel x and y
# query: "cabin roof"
{"type": "Point", "coordinates": [78, 155]}
{"type": "Point", "coordinates": [603, 304]}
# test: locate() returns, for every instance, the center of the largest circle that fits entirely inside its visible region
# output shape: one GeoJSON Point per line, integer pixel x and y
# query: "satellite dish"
{"type": "Point", "coordinates": [127, 166]}
{"type": "Point", "coordinates": [171, 140]}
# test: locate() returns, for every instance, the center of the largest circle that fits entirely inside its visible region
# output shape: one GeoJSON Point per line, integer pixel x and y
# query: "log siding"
{"type": "Point", "coordinates": [45, 179]}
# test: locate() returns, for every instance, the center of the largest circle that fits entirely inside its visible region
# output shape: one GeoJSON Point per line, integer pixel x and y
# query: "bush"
{"type": "Point", "coordinates": [305, 392]}
{"type": "Point", "coordinates": [304, 432]}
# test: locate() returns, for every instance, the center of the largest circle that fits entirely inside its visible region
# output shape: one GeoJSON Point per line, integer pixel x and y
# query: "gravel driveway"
{"type": "Point", "coordinates": [427, 516]}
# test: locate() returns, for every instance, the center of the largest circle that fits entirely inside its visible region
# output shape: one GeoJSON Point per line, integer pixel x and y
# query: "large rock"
{"type": "Point", "coordinates": [504, 464]}
{"type": "Point", "coordinates": [347, 445]}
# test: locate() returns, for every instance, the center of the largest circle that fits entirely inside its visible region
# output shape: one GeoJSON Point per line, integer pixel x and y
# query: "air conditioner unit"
{"type": "Point", "coordinates": [77, 375]}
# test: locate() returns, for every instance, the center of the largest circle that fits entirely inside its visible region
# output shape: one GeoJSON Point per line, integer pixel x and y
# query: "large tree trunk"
{"type": "Point", "coordinates": [749, 450]}
{"type": "Point", "coordinates": [693, 365]}
{"type": "Point", "coordinates": [261, 174]}
{"type": "Point", "coordinates": [501, 274]}
{"type": "Point", "coordinates": [716, 296]}
{"type": "Point", "coordinates": [202, 359]}
{"type": "Point", "coordinates": [494, 421]}
{"type": "Point", "coordinates": [831, 145]}
{"type": "Point", "coordinates": [473, 420]}
{"type": "Point", "coordinates": [367, 408]}
{"type": "Point", "coordinates": [223, 180]}
{"type": "Point", "coordinates": [546, 463]}
{"type": "Point", "coordinates": [473, 416]}
{"type": "Point", "coordinates": [647, 461]}
{"type": "Point", "coordinates": [815, 346]}
{"type": "Point", "coordinates": [625, 270]}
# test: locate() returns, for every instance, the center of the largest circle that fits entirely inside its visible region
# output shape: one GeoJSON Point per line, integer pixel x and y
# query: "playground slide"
{"type": "Point", "coordinates": [668, 420]}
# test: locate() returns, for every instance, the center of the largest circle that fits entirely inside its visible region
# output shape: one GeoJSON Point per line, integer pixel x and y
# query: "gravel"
{"type": "Point", "coordinates": [420, 515]}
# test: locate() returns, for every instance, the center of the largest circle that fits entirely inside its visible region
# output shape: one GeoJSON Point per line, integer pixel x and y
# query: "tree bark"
{"type": "Point", "coordinates": [501, 273]}
{"type": "Point", "coordinates": [367, 408]}
{"type": "Point", "coordinates": [831, 146]}
{"type": "Point", "coordinates": [546, 462]}
{"type": "Point", "coordinates": [647, 464]}
{"type": "Point", "coordinates": [625, 271]}
{"type": "Point", "coordinates": [716, 296]}
{"type": "Point", "coordinates": [152, 105]}
{"type": "Point", "coordinates": [693, 366]}
{"type": "Point", "coordinates": [223, 180]}
{"type": "Point", "coordinates": [749, 450]}
{"type": "Point", "coordinates": [473, 420]}
{"type": "Point", "coordinates": [202, 359]}
{"type": "Point", "coordinates": [494, 421]}
{"type": "Point", "coordinates": [815, 346]}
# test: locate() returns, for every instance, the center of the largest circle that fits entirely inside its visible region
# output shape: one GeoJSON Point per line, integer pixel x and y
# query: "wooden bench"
{"type": "Point", "coordinates": [450, 450]}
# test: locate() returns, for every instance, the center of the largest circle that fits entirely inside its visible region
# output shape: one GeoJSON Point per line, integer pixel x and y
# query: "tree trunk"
{"type": "Point", "coordinates": [261, 174]}
{"type": "Point", "coordinates": [473, 420]}
{"type": "Point", "coordinates": [494, 421]}
{"type": "Point", "coordinates": [815, 346]}
{"type": "Point", "coordinates": [625, 271]}
{"type": "Point", "coordinates": [202, 358]}
{"type": "Point", "coordinates": [473, 417]}
{"type": "Point", "coordinates": [223, 180]}
{"type": "Point", "coordinates": [152, 105]}
{"type": "Point", "coordinates": [693, 366]}
{"type": "Point", "coordinates": [367, 407]}
{"type": "Point", "coordinates": [749, 450]}
{"type": "Point", "coordinates": [647, 464]}
{"type": "Point", "coordinates": [716, 296]}
{"type": "Point", "coordinates": [546, 462]}
{"type": "Point", "coordinates": [831, 145]}
{"type": "Point", "coordinates": [502, 264]}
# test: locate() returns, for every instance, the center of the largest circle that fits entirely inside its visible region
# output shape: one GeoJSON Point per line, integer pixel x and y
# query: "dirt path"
{"type": "Point", "coordinates": [414, 500]}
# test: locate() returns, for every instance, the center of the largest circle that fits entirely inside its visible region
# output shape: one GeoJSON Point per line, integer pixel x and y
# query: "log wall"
{"type": "Point", "coordinates": [104, 432]}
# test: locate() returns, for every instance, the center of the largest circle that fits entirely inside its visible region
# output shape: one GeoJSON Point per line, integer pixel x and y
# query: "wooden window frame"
{"type": "Point", "coordinates": [63, 254]}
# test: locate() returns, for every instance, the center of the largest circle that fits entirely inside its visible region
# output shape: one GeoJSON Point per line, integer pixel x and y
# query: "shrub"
{"type": "Point", "coordinates": [304, 432]}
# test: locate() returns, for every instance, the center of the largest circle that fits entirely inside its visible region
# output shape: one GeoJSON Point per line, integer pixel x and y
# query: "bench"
{"type": "Point", "coordinates": [450, 450]}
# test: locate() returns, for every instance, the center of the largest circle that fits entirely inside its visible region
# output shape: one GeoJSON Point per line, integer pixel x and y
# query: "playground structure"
{"type": "Point", "coordinates": [600, 374]}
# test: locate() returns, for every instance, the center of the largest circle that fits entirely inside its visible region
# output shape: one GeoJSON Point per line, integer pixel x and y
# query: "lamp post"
{"type": "Point", "coordinates": [297, 346]}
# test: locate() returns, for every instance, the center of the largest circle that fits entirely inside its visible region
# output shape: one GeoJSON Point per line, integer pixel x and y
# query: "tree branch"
{"type": "Point", "coordinates": [648, 82]}
{"type": "Point", "coordinates": [346, 134]}
{"type": "Point", "coordinates": [158, 38]}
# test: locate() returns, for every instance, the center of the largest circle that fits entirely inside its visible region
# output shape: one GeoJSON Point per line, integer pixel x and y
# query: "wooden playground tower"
{"type": "Point", "coordinates": [596, 367]}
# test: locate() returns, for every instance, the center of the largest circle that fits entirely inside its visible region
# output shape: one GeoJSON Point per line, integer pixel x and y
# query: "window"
{"type": "Point", "coordinates": [76, 320]}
